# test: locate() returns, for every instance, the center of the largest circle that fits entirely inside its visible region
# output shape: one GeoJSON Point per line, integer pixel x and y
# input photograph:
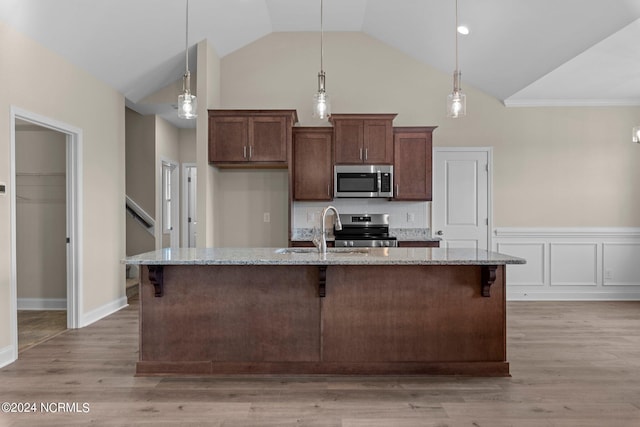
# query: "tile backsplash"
{"type": "Point", "coordinates": [401, 214]}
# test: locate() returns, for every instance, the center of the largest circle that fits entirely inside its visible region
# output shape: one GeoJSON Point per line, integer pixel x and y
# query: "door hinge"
{"type": "Point", "coordinates": [189, 179]}
{"type": "Point", "coordinates": [68, 240]}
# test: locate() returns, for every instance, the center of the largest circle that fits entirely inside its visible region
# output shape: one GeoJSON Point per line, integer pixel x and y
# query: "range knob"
{"type": "Point", "coordinates": [350, 243]}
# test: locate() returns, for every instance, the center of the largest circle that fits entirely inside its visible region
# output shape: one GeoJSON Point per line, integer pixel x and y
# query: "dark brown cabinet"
{"type": "Point", "coordinates": [412, 163]}
{"type": "Point", "coordinates": [244, 137]}
{"type": "Point", "coordinates": [312, 165]}
{"type": "Point", "coordinates": [363, 138]}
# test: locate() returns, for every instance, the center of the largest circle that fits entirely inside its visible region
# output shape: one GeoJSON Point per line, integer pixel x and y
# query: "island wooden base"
{"type": "Point", "coordinates": [484, 369]}
{"type": "Point", "coordinates": [372, 320]}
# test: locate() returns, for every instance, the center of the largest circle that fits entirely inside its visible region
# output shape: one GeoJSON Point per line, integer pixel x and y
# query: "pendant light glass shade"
{"type": "Point", "coordinates": [187, 103]}
{"type": "Point", "coordinates": [456, 101]}
{"type": "Point", "coordinates": [636, 134]}
{"type": "Point", "coordinates": [321, 105]}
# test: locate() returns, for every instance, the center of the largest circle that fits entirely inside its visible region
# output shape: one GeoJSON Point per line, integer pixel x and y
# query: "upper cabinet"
{"type": "Point", "coordinates": [412, 163]}
{"type": "Point", "coordinates": [363, 138]}
{"type": "Point", "coordinates": [258, 138]}
{"type": "Point", "coordinates": [312, 163]}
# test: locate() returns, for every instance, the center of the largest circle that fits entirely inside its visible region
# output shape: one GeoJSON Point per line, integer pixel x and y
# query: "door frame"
{"type": "Point", "coordinates": [174, 234]}
{"type": "Point", "coordinates": [489, 151]}
{"type": "Point", "coordinates": [74, 217]}
{"type": "Point", "coordinates": [185, 201]}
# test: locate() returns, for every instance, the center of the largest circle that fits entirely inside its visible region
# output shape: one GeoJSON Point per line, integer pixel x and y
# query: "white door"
{"type": "Point", "coordinates": [462, 197]}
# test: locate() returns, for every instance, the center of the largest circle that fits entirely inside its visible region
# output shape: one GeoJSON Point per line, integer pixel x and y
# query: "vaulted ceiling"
{"type": "Point", "coordinates": [523, 52]}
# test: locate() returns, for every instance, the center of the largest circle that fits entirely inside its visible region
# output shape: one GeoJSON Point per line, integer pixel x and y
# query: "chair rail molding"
{"type": "Point", "coordinates": [572, 263]}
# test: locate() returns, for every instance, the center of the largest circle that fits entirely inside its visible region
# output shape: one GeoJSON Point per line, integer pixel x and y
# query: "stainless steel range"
{"type": "Point", "coordinates": [364, 230]}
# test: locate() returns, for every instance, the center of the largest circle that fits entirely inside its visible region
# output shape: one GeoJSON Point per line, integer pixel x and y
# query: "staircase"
{"type": "Point", "coordinates": [148, 224]}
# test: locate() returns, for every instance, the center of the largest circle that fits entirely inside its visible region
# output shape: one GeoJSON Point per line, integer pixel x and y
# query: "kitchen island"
{"type": "Point", "coordinates": [349, 311]}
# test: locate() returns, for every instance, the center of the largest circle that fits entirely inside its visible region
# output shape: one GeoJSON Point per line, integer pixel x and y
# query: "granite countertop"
{"type": "Point", "coordinates": [310, 256]}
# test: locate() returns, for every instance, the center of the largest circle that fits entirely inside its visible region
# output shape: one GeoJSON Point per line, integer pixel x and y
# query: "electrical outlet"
{"type": "Point", "coordinates": [608, 274]}
{"type": "Point", "coordinates": [266, 217]}
{"type": "Point", "coordinates": [411, 217]}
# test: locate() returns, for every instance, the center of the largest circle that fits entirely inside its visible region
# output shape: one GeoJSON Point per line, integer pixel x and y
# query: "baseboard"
{"type": "Point", "coordinates": [102, 312]}
{"type": "Point", "coordinates": [572, 264]}
{"type": "Point", "coordinates": [519, 295]}
{"type": "Point", "coordinates": [7, 356]}
{"type": "Point", "coordinates": [42, 303]}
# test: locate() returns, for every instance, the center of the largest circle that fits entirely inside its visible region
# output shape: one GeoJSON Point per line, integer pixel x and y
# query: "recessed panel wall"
{"type": "Point", "coordinates": [572, 263]}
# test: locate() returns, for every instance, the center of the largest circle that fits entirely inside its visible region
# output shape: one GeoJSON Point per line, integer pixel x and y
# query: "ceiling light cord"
{"type": "Point", "coordinates": [321, 106]}
{"type": "Point", "coordinates": [456, 33]}
{"type": "Point", "coordinates": [187, 103]}
{"type": "Point", "coordinates": [456, 101]}
{"type": "Point", "coordinates": [186, 40]}
{"type": "Point", "coordinates": [321, 37]}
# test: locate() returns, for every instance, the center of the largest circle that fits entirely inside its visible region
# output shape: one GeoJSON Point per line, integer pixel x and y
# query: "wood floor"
{"type": "Point", "coordinates": [37, 326]}
{"type": "Point", "coordinates": [572, 364]}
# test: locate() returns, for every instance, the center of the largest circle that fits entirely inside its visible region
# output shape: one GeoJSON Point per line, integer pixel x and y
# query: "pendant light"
{"type": "Point", "coordinates": [321, 105]}
{"type": "Point", "coordinates": [187, 103]}
{"type": "Point", "coordinates": [456, 101]}
{"type": "Point", "coordinates": [636, 134]}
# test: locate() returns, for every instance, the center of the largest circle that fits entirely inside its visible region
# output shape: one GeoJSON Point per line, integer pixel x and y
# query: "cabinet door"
{"type": "Point", "coordinates": [268, 137]}
{"type": "Point", "coordinates": [228, 139]}
{"type": "Point", "coordinates": [349, 139]}
{"type": "Point", "coordinates": [412, 164]}
{"type": "Point", "coordinates": [312, 170]}
{"type": "Point", "coordinates": [378, 142]}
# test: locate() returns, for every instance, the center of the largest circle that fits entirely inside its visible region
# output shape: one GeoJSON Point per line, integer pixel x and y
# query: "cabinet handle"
{"type": "Point", "coordinates": [250, 151]}
{"type": "Point", "coordinates": [329, 190]}
{"type": "Point", "coordinates": [361, 154]}
{"type": "Point", "coordinates": [397, 190]}
{"type": "Point", "coordinates": [366, 153]}
{"type": "Point", "coordinates": [244, 151]}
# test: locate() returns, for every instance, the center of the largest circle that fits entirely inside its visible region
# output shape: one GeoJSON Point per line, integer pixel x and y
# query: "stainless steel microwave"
{"type": "Point", "coordinates": [363, 181]}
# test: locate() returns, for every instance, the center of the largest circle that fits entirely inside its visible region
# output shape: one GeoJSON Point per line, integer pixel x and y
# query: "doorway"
{"type": "Point", "coordinates": [462, 195]}
{"type": "Point", "coordinates": [44, 214]}
{"type": "Point", "coordinates": [189, 211]}
{"type": "Point", "coordinates": [170, 212]}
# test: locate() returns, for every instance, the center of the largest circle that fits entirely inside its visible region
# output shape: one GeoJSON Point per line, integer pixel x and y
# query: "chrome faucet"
{"type": "Point", "coordinates": [323, 237]}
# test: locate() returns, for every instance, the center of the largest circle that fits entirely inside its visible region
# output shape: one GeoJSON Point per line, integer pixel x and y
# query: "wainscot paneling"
{"type": "Point", "coordinates": [572, 263]}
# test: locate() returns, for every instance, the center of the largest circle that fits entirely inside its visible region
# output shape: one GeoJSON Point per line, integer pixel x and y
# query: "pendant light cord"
{"type": "Point", "coordinates": [456, 30]}
{"type": "Point", "coordinates": [186, 40]}
{"type": "Point", "coordinates": [321, 37]}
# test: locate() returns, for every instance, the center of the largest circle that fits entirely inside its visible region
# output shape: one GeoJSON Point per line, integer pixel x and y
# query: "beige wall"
{"type": "Point", "coordinates": [140, 177]}
{"type": "Point", "coordinates": [187, 145]}
{"type": "Point", "coordinates": [552, 166]}
{"type": "Point", "coordinates": [209, 89]}
{"type": "Point", "coordinates": [41, 213]}
{"type": "Point", "coordinates": [140, 160]}
{"type": "Point", "coordinates": [242, 199]}
{"type": "Point", "coordinates": [167, 149]}
{"type": "Point", "coordinates": [36, 80]}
